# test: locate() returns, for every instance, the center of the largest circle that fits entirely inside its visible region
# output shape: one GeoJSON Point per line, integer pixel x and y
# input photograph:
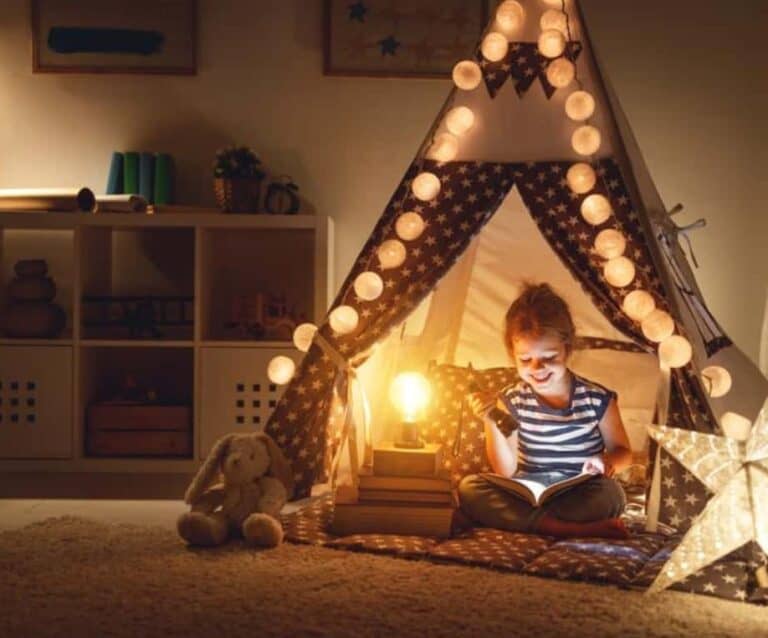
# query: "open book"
{"type": "Point", "coordinates": [533, 491]}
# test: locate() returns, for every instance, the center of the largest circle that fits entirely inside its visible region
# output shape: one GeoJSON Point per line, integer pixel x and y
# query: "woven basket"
{"type": "Point", "coordinates": [237, 194]}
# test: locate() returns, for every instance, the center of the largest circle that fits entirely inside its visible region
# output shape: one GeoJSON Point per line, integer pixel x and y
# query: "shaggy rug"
{"type": "Point", "coordinates": [75, 577]}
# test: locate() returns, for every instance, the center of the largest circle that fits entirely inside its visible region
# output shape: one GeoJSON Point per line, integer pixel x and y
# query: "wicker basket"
{"type": "Point", "coordinates": [237, 194]}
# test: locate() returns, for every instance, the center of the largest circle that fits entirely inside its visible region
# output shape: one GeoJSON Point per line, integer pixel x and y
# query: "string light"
{"type": "Point", "coordinates": [551, 43]}
{"type": "Point", "coordinates": [494, 46]}
{"type": "Point", "coordinates": [586, 140]}
{"type": "Point", "coordinates": [467, 75]}
{"type": "Point", "coordinates": [619, 271]}
{"type": "Point", "coordinates": [444, 148]}
{"type": "Point", "coordinates": [657, 325]}
{"type": "Point", "coordinates": [638, 304]}
{"type": "Point", "coordinates": [596, 209]}
{"type": "Point", "coordinates": [560, 73]}
{"type": "Point", "coordinates": [343, 319]}
{"type": "Point", "coordinates": [581, 178]}
{"type": "Point", "coordinates": [368, 285]}
{"type": "Point", "coordinates": [409, 226]}
{"type": "Point", "coordinates": [281, 369]}
{"type": "Point", "coordinates": [303, 335]}
{"type": "Point", "coordinates": [459, 120]}
{"type": "Point", "coordinates": [510, 16]}
{"type": "Point", "coordinates": [579, 105]}
{"type": "Point", "coordinates": [610, 243]}
{"type": "Point", "coordinates": [426, 186]}
{"type": "Point", "coordinates": [675, 351]}
{"type": "Point", "coordinates": [391, 254]}
{"type": "Point", "coordinates": [554, 19]}
{"type": "Point", "coordinates": [717, 381]}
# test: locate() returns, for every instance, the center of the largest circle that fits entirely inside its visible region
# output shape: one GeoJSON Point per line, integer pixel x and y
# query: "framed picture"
{"type": "Point", "coordinates": [400, 38]}
{"type": "Point", "coordinates": [114, 36]}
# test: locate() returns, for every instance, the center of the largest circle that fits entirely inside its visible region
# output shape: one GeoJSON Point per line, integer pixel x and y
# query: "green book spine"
{"type": "Point", "coordinates": [163, 186]}
{"type": "Point", "coordinates": [131, 173]}
{"type": "Point", "coordinates": [146, 176]}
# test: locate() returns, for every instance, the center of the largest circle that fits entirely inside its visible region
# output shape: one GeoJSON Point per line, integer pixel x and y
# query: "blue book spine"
{"type": "Point", "coordinates": [147, 176]}
{"type": "Point", "coordinates": [115, 177]}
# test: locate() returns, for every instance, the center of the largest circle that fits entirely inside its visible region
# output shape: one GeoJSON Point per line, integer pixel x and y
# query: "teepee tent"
{"type": "Point", "coordinates": [529, 172]}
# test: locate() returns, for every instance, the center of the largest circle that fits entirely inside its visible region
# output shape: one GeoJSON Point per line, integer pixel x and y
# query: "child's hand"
{"type": "Point", "coordinates": [598, 465]}
{"type": "Point", "coordinates": [481, 402]}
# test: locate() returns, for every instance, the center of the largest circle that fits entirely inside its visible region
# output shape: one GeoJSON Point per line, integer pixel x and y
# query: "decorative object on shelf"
{"type": "Point", "coordinates": [79, 199]}
{"type": "Point", "coordinates": [140, 315]}
{"type": "Point", "coordinates": [146, 174]}
{"type": "Point", "coordinates": [31, 312]}
{"type": "Point", "coordinates": [263, 316]}
{"type": "Point", "coordinates": [237, 177]}
{"type": "Point", "coordinates": [282, 197]}
{"type": "Point", "coordinates": [243, 484]}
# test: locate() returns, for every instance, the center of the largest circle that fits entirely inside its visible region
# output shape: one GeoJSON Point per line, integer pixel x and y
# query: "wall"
{"type": "Point", "coordinates": [689, 75]}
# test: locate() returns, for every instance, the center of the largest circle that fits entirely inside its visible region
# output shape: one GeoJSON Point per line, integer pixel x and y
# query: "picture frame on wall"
{"type": "Point", "coordinates": [114, 36]}
{"type": "Point", "coordinates": [400, 38]}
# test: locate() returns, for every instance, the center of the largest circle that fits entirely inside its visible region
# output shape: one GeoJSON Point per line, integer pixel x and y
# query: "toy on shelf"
{"type": "Point", "coordinates": [263, 316]}
{"type": "Point", "coordinates": [31, 312]}
{"type": "Point", "coordinates": [282, 197]}
{"type": "Point", "coordinates": [140, 316]}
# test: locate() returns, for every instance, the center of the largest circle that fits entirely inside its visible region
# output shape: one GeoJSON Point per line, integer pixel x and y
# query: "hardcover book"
{"type": "Point", "coordinates": [418, 519]}
{"type": "Point", "coordinates": [393, 461]}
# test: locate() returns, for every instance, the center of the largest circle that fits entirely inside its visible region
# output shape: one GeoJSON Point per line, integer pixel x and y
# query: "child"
{"type": "Point", "coordinates": [566, 425]}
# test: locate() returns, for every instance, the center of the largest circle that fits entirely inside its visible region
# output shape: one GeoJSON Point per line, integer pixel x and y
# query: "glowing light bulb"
{"type": "Point", "coordinates": [409, 226]}
{"type": "Point", "coordinates": [343, 319]}
{"type": "Point", "coordinates": [586, 140]}
{"type": "Point", "coordinates": [444, 148]}
{"type": "Point", "coordinates": [581, 178]}
{"type": "Point", "coordinates": [638, 304]}
{"type": "Point", "coordinates": [736, 426]}
{"type": "Point", "coordinates": [410, 393]}
{"type": "Point", "coordinates": [560, 73]}
{"type": "Point", "coordinates": [595, 209]}
{"type": "Point", "coordinates": [580, 106]}
{"type": "Point", "coordinates": [426, 186]}
{"type": "Point", "coordinates": [619, 271]}
{"type": "Point", "coordinates": [303, 335]}
{"type": "Point", "coordinates": [554, 19]}
{"type": "Point", "coordinates": [657, 326]}
{"type": "Point", "coordinates": [459, 120]}
{"type": "Point", "coordinates": [510, 16]}
{"type": "Point", "coordinates": [551, 43]}
{"type": "Point", "coordinates": [467, 75]}
{"type": "Point", "coordinates": [368, 285]}
{"type": "Point", "coordinates": [610, 243]}
{"type": "Point", "coordinates": [281, 369]}
{"type": "Point", "coordinates": [391, 254]}
{"type": "Point", "coordinates": [717, 381]}
{"type": "Point", "coordinates": [675, 351]}
{"type": "Point", "coordinates": [494, 46]}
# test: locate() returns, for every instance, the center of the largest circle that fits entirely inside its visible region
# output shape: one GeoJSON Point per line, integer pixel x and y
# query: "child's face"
{"type": "Point", "coordinates": [541, 361]}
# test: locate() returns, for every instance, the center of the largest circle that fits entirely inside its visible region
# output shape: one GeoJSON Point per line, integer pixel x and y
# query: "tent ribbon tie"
{"type": "Point", "coordinates": [684, 230]}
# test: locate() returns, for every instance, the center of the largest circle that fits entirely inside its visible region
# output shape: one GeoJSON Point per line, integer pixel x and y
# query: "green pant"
{"type": "Point", "coordinates": [492, 506]}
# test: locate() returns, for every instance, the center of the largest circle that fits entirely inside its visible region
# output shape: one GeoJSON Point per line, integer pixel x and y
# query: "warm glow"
{"type": "Point", "coordinates": [736, 426]}
{"type": "Point", "coordinates": [391, 253]}
{"type": "Point", "coordinates": [410, 393]}
{"type": "Point", "coordinates": [467, 75]}
{"type": "Point", "coordinates": [717, 381]}
{"type": "Point", "coordinates": [595, 209]}
{"type": "Point", "coordinates": [368, 285]}
{"type": "Point", "coordinates": [444, 147]}
{"type": "Point", "coordinates": [586, 140]}
{"type": "Point", "coordinates": [510, 16]}
{"type": "Point", "coordinates": [494, 46]}
{"type": "Point", "coordinates": [553, 3]}
{"type": "Point", "coordinates": [551, 43]}
{"type": "Point", "coordinates": [280, 369]}
{"type": "Point", "coordinates": [581, 178]}
{"type": "Point", "coordinates": [619, 272]}
{"type": "Point", "coordinates": [554, 19]}
{"type": "Point", "coordinates": [560, 73]}
{"type": "Point", "coordinates": [459, 120]}
{"type": "Point", "coordinates": [638, 304]}
{"type": "Point", "coordinates": [675, 351]}
{"type": "Point", "coordinates": [426, 186]}
{"type": "Point", "coordinates": [303, 335]}
{"type": "Point", "coordinates": [610, 243]}
{"type": "Point", "coordinates": [580, 106]}
{"type": "Point", "coordinates": [343, 319]}
{"type": "Point", "coordinates": [657, 326]}
{"type": "Point", "coordinates": [409, 226]}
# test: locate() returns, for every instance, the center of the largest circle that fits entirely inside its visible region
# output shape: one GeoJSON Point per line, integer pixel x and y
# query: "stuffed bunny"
{"type": "Point", "coordinates": [256, 481]}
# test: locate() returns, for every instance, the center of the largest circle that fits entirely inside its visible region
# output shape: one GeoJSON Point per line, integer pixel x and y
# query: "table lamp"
{"type": "Point", "coordinates": [410, 393]}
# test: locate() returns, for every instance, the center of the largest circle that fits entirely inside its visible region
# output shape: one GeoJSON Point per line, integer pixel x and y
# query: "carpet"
{"type": "Point", "coordinates": [75, 577]}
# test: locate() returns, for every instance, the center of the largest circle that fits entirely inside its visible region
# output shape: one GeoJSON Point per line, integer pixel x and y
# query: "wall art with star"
{"type": "Point", "coordinates": [400, 38]}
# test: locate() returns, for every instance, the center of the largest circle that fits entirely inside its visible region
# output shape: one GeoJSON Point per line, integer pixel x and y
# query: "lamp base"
{"type": "Point", "coordinates": [409, 438]}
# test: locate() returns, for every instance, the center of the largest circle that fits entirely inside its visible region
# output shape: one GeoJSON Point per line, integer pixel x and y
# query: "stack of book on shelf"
{"type": "Point", "coordinates": [403, 493]}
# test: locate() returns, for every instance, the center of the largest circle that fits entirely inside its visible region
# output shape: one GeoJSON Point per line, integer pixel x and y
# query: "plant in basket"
{"type": "Point", "coordinates": [237, 176]}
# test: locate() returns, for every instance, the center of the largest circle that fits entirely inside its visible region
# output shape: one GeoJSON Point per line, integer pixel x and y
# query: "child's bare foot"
{"type": "Point", "coordinates": [605, 528]}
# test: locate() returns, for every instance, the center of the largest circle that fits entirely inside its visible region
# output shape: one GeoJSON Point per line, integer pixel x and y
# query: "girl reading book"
{"type": "Point", "coordinates": [562, 425]}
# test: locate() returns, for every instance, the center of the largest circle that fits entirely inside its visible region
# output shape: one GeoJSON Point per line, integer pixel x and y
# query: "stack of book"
{"type": "Point", "coordinates": [141, 173]}
{"type": "Point", "coordinates": [403, 493]}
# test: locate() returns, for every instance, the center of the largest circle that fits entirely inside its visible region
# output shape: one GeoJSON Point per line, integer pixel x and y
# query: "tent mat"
{"type": "Point", "coordinates": [629, 563]}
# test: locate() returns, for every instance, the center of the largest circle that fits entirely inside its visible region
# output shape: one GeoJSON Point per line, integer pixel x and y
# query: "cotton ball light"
{"type": "Point", "coordinates": [553, 3]}
{"type": "Point", "coordinates": [459, 120]}
{"type": "Point", "coordinates": [560, 73]}
{"type": "Point", "coordinates": [610, 243]}
{"type": "Point", "coordinates": [391, 253]}
{"type": "Point", "coordinates": [510, 16]}
{"type": "Point", "coordinates": [281, 369]}
{"type": "Point", "coordinates": [580, 106]}
{"type": "Point", "coordinates": [551, 43]}
{"type": "Point", "coordinates": [619, 271]}
{"type": "Point", "coordinates": [409, 226]}
{"type": "Point", "coordinates": [368, 285]}
{"type": "Point", "coordinates": [581, 178]}
{"type": "Point", "coordinates": [735, 426]}
{"type": "Point", "coordinates": [467, 75]}
{"type": "Point", "coordinates": [494, 46]}
{"type": "Point", "coordinates": [638, 304]}
{"type": "Point", "coordinates": [303, 335]}
{"type": "Point", "coordinates": [586, 140]}
{"type": "Point", "coordinates": [444, 148]}
{"type": "Point", "coordinates": [717, 381]}
{"type": "Point", "coordinates": [675, 351]}
{"type": "Point", "coordinates": [554, 19]}
{"type": "Point", "coordinates": [343, 319]}
{"type": "Point", "coordinates": [426, 186]}
{"type": "Point", "coordinates": [595, 209]}
{"type": "Point", "coordinates": [657, 326]}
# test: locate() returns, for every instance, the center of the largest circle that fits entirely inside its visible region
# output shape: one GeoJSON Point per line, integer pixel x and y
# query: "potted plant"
{"type": "Point", "coordinates": [237, 177]}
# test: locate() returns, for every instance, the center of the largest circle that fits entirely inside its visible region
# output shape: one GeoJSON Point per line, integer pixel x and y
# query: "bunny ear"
{"type": "Point", "coordinates": [279, 466]}
{"type": "Point", "coordinates": [208, 470]}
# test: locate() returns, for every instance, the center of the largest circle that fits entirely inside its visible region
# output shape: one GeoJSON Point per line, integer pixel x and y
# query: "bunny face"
{"type": "Point", "coordinates": [246, 460]}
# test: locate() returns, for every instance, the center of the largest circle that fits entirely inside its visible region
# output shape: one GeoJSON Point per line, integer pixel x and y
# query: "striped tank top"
{"type": "Point", "coordinates": [558, 439]}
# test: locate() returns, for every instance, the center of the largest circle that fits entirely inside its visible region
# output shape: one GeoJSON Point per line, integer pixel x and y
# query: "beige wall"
{"type": "Point", "coordinates": [346, 142]}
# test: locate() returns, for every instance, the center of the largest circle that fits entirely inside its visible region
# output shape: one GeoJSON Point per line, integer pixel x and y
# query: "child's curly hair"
{"type": "Point", "coordinates": [537, 311]}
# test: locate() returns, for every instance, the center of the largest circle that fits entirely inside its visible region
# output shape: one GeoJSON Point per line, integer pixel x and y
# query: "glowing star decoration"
{"type": "Point", "coordinates": [303, 335]}
{"type": "Point", "coordinates": [737, 473]}
{"type": "Point", "coordinates": [467, 75]}
{"type": "Point", "coordinates": [409, 226]}
{"type": "Point", "coordinates": [444, 148]}
{"type": "Point", "coordinates": [368, 285]}
{"type": "Point", "coordinates": [494, 46]}
{"type": "Point", "coordinates": [459, 120]}
{"type": "Point", "coordinates": [426, 186]}
{"type": "Point", "coordinates": [280, 370]}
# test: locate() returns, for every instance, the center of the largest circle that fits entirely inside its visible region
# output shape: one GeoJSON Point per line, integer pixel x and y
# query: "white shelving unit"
{"type": "Point", "coordinates": [47, 384]}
